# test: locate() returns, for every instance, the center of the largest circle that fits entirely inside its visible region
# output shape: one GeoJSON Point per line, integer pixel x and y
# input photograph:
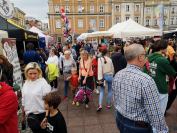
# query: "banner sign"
{"type": "Point", "coordinates": [10, 51]}
{"type": "Point", "coordinates": [6, 9]}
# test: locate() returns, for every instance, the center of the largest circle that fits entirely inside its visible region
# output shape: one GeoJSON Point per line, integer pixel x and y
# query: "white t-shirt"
{"type": "Point", "coordinates": [32, 94]}
{"type": "Point", "coordinates": [52, 60]}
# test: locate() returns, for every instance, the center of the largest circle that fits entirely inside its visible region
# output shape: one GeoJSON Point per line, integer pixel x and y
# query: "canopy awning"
{"type": "Point", "coordinates": [21, 34]}
{"type": "Point", "coordinates": [100, 34]}
{"type": "Point", "coordinates": [38, 31]}
{"type": "Point", "coordinates": [130, 28]}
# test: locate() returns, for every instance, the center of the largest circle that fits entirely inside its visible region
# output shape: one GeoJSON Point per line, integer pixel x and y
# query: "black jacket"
{"type": "Point", "coordinates": [119, 61]}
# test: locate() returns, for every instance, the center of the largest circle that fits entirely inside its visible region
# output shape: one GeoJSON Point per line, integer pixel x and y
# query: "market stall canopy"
{"type": "Point", "coordinates": [38, 31]}
{"type": "Point", "coordinates": [170, 31]}
{"type": "Point", "coordinates": [130, 28]}
{"type": "Point", "coordinates": [3, 34]}
{"type": "Point", "coordinates": [100, 34]}
{"type": "Point", "coordinates": [21, 34]}
{"type": "Point", "coordinates": [170, 34]}
{"type": "Point", "coordinates": [82, 37]}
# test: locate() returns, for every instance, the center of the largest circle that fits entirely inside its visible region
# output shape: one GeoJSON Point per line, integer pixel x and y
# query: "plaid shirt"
{"type": "Point", "coordinates": [136, 97]}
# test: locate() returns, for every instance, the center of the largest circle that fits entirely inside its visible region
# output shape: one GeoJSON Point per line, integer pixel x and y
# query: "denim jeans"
{"type": "Point", "coordinates": [128, 126]}
{"type": "Point", "coordinates": [163, 102]}
{"type": "Point", "coordinates": [66, 85]}
{"type": "Point", "coordinates": [108, 79]}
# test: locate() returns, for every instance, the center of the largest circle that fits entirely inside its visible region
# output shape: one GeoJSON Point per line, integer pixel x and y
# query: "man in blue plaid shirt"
{"type": "Point", "coordinates": [136, 96]}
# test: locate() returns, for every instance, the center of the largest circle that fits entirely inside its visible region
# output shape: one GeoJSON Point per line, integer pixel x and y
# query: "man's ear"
{"type": "Point", "coordinates": [140, 58]}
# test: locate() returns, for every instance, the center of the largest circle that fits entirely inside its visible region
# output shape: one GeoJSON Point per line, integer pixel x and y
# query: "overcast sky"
{"type": "Point", "coordinates": [33, 8]}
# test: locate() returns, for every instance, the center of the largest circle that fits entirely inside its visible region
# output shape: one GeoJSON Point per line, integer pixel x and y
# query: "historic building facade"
{"type": "Point", "coordinates": [100, 15]}
{"type": "Point", "coordinates": [19, 17]}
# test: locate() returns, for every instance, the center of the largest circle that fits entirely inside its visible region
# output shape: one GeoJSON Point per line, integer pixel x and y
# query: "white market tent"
{"type": "Point", "coordinates": [130, 28]}
{"type": "Point", "coordinates": [38, 31]}
{"type": "Point", "coordinates": [95, 34]}
{"type": "Point", "coordinates": [3, 34]}
{"type": "Point", "coordinates": [82, 37]}
{"type": "Point", "coordinates": [170, 31]}
{"type": "Point", "coordinates": [100, 34]}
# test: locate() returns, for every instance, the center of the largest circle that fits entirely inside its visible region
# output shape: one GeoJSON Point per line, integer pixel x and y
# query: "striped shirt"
{"type": "Point", "coordinates": [136, 97]}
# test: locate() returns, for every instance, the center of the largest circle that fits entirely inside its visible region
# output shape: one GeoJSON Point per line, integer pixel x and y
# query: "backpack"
{"type": "Point", "coordinates": [83, 95]}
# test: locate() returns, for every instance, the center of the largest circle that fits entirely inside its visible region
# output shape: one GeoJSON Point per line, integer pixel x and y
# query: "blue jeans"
{"type": "Point", "coordinates": [108, 79]}
{"type": "Point", "coordinates": [66, 85]}
{"type": "Point", "coordinates": [126, 125]}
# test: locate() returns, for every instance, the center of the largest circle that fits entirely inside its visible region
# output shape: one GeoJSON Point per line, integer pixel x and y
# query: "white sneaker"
{"type": "Point", "coordinates": [86, 106]}
{"type": "Point", "coordinates": [97, 91]}
{"type": "Point", "coordinates": [77, 103]}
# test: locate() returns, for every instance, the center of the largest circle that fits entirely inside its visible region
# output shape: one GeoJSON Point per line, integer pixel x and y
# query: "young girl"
{"type": "Point", "coordinates": [54, 121]}
{"type": "Point", "coordinates": [74, 82]}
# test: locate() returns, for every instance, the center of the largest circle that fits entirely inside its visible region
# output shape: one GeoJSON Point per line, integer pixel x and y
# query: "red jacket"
{"type": "Point", "coordinates": [8, 109]}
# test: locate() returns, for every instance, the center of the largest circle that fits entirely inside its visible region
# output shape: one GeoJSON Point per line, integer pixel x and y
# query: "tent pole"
{"type": "Point", "coordinates": [24, 46]}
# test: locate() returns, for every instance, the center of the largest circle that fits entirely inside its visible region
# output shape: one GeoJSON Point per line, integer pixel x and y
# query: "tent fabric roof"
{"type": "Point", "coordinates": [21, 34]}
{"type": "Point", "coordinates": [84, 36]}
{"type": "Point", "coordinates": [100, 34]}
{"type": "Point", "coordinates": [38, 31]}
{"type": "Point", "coordinates": [130, 28]}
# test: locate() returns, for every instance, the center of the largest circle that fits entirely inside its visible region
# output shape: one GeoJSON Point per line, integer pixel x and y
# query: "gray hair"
{"type": "Point", "coordinates": [132, 51]}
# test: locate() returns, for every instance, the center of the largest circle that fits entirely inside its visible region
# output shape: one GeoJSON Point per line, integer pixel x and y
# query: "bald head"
{"type": "Point", "coordinates": [132, 51]}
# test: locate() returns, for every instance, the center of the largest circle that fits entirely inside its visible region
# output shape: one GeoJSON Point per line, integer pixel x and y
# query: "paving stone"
{"type": "Point", "coordinates": [91, 120]}
{"type": "Point", "coordinates": [75, 113]}
{"type": "Point", "coordinates": [93, 129]}
{"type": "Point", "coordinates": [75, 121]}
{"type": "Point", "coordinates": [107, 118]}
{"type": "Point", "coordinates": [78, 129]}
{"type": "Point", "coordinates": [110, 128]}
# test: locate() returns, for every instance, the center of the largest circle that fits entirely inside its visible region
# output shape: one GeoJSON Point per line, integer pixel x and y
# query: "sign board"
{"type": "Point", "coordinates": [6, 9]}
{"type": "Point", "coordinates": [10, 51]}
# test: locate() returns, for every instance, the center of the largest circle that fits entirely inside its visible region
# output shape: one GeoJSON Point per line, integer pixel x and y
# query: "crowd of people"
{"type": "Point", "coordinates": [140, 77]}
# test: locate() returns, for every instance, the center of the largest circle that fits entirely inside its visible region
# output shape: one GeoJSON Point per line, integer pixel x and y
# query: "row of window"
{"type": "Point", "coordinates": [173, 10]}
{"type": "Point", "coordinates": [101, 8]}
{"type": "Point", "coordinates": [173, 21]}
{"type": "Point", "coordinates": [80, 9]}
{"type": "Point", "coordinates": [92, 22]}
{"type": "Point", "coordinates": [80, 23]}
{"type": "Point", "coordinates": [117, 9]}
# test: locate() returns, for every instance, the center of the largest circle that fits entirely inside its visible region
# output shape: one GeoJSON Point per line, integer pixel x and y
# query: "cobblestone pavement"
{"type": "Point", "coordinates": [81, 120]}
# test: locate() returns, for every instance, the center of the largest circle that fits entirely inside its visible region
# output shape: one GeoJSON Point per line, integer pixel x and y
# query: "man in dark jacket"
{"type": "Point", "coordinates": [118, 59]}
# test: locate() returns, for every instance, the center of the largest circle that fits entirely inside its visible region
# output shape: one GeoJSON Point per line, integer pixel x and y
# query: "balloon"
{"type": "Point", "coordinates": [62, 10]}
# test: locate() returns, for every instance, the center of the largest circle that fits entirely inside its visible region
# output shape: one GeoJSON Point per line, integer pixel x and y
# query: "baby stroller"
{"type": "Point", "coordinates": [83, 95]}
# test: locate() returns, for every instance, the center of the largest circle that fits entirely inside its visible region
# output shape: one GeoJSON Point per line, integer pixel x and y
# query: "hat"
{"type": "Point", "coordinates": [67, 52]}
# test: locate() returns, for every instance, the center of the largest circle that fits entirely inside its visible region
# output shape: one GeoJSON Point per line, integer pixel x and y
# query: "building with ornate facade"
{"type": "Point", "coordinates": [19, 17]}
{"type": "Point", "coordinates": [100, 15]}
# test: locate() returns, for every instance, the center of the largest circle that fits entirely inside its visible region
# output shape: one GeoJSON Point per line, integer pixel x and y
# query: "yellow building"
{"type": "Point", "coordinates": [99, 15]}
{"type": "Point", "coordinates": [19, 17]}
{"type": "Point", "coordinates": [83, 15]}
